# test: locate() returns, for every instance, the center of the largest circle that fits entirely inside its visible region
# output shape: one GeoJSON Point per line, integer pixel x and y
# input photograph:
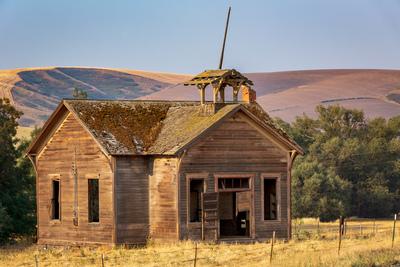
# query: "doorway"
{"type": "Point", "coordinates": [233, 221]}
{"type": "Point", "coordinates": [234, 206]}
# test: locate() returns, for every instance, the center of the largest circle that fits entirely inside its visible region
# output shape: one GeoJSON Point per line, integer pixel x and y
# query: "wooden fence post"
{"type": "Point", "coordinates": [295, 228]}
{"type": "Point", "coordinates": [394, 229]}
{"type": "Point", "coordinates": [102, 259]}
{"type": "Point", "coordinates": [340, 233]}
{"type": "Point", "coordinates": [318, 232]}
{"type": "Point", "coordinates": [361, 229]}
{"type": "Point", "coordinates": [272, 246]}
{"type": "Point", "coordinates": [195, 254]}
{"type": "Point", "coordinates": [373, 230]}
{"type": "Point", "coordinates": [36, 261]}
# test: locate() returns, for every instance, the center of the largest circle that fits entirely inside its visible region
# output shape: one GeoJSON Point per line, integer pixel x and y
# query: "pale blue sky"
{"type": "Point", "coordinates": [186, 36]}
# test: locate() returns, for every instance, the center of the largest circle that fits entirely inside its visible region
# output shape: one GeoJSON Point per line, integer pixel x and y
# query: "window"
{"type": "Point", "coordinates": [93, 200]}
{"type": "Point", "coordinates": [196, 188]}
{"type": "Point", "coordinates": [233, 183]}
{"type": "Point", "coordinates": [270, 199]}
{"type": "Point", "coordinates": [55, 200]}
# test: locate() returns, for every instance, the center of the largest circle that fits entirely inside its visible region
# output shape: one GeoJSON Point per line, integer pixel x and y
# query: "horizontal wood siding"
{"type": "Point", "coordinates": [56, 160]}
{"type": "Point", "coordinates": [236, 146]}
{"type": "Point", "coordinates": [163, 199]}
{"type": "Point", "coordinates": [132, 194]}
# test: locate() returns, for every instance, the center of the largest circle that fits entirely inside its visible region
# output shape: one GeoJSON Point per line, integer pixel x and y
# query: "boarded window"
{"type": "Point", "coordinates": [55, 200]}
{"type": "Point", "coordinates": [196, 188]}
{"type": "Point", "coordinates": [270, 200]}
{"type": "Point", "coordinates": [93, 195]}
{"type": "Point", "coordinates": [233, 183]}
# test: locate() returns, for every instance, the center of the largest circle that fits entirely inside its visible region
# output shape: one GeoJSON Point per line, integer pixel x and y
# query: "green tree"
{"type": "Point", "coordinates": [351, 166]}
{"type": "Point", "coordinates": [17, 198]}
{"type": "Point", "coordinates": [79, 93]}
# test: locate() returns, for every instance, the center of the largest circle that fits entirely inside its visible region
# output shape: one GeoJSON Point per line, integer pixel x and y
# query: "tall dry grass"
{"type": "Point", "coordinates": [366, 249]}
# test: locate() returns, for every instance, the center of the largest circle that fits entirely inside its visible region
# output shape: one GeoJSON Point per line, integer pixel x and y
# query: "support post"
{"type": "Point", "coordinates": [202, 89]}
{"type": "Point", "coordinates": [222, 94]}
{"type": "Point", "coordinates": [340, 233]}
{"type": "Point", "coordinates": [36, 261]}
{"type": "Point", "coordinates": [215, 94]}
{"type": "Point", "coordinates": [195, 255]}
{"type": "Point", "coordinates": [394, 229]}
{"type": "Point", "coordinates": [102, 260]}
{"type": "Point", "coordinates": [235, 93]}
{"type": "Point", "coordinates": [373, 230]}
{"type": "Point", "coordinates": [272, 246]}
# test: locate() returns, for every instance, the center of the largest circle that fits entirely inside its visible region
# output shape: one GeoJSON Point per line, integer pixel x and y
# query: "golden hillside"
{"type": "Point", "coordinates": [292, 93]}
{"type": "Point", "coordinates": [37, 91]}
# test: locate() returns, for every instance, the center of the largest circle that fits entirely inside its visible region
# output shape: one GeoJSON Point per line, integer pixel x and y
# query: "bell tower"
{"type": "Point", "coordinates": [220, 79]}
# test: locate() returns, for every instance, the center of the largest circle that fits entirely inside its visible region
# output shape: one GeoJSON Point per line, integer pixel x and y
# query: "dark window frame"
{"type": "Point", "coordinates": [277, 178]}
{"type": "Point", "coordinates": [190, 177]}
{"type": "Point", "coordinates": [93, 201]}
{"type": "Point", "coordinates": [55, 214]}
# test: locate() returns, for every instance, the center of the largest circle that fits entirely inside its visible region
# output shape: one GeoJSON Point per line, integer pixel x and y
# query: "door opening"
{"type": "Point", "coordinates": [234, 214]}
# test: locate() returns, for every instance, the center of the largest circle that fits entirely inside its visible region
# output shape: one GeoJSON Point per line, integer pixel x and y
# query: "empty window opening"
{"type": "Point", "coordinates": [93, 195]}
{"type": "Point", "coordinates": [270, 200]}
{"type": "Point", "coordinates": [233, 183]}
{"type": "Point", "coordinates": [55, 200]}
{"type": "Point", "coordinates": [196, 188]}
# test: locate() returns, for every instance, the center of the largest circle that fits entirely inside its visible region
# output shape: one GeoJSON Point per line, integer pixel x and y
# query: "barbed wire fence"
{"type": "Point", "coordinates": [198, 254]}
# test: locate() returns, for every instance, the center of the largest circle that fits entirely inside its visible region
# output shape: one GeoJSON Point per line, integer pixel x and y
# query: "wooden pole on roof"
{"type": "Point", "coordinates": [221, 60]}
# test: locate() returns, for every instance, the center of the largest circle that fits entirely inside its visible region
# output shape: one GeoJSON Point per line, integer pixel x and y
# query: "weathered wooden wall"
{"type": "Point", "coordinates": [163, 191]}
{"type": "Point", "coordinates": [56, 159]}
{"type": "Point", "coordinates": [132, 197]}
{"type": "Point", "coordinates": [236, 147]}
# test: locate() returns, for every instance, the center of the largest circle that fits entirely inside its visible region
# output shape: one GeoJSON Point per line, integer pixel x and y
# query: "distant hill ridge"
{"type": "Point", "coordinates": [288, 94]}
{"type": "Point", "coordinates": [37, 91]}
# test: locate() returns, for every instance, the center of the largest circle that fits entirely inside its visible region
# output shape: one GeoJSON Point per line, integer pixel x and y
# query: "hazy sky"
{"type": "Point", "coordinates": [186, 36]}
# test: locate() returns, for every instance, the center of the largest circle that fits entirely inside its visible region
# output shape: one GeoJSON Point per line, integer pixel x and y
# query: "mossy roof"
{"type": "Point", "coordinates": [134, 127]}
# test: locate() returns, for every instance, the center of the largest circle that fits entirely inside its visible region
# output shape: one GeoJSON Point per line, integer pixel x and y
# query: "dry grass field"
{"type": "Point", "coordinates": [368, 246]}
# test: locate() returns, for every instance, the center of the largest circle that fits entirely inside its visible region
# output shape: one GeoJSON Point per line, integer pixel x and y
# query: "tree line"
{"type": "Point", "coordinates": [351, 165]}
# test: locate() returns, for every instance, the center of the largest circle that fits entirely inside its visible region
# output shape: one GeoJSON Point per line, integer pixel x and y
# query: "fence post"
{"type": "Point", "coordinates": [295, 228]}
{"type": "Point", "coordinates": [373, 230]}
{"type": "Point", "coordinates": [394, 229]}
{"type": "Point", "coordinates": [102, 259]}
{"type": "Point", "coordinates": [272, 246]}
{"type": "Point", "coordinates": [360, 229]}
{"type": "Point", "coordinates": [36, 261]}
{"type": "Point", "coordinates": [318, 232]}
{"type": "Point", "coordinates": [340, 233]}
{"type": "Point", "coordinates": [195, 254]}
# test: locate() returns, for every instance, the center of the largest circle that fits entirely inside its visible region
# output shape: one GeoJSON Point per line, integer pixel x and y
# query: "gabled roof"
{"type": "Point", "coordinates": [229, 76]}
{"type": "Point", "coordinates": [134, 127]}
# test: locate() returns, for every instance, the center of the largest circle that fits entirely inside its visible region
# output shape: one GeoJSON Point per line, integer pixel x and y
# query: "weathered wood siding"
{"type": "Point", "coordinates": [237, 147]}
{"type": "Point", "coordinates": [56, 159]}
{"type": "Point", "coordinates": [132, 196]}
{"type": "Point", "coordinates": [163, 199]}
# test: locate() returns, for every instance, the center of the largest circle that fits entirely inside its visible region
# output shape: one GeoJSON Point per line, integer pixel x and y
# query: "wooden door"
{"type": "Point", "coordinates": [209, 225]}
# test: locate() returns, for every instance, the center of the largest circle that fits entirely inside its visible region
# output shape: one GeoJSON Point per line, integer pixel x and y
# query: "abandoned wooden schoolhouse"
{"type": "Point", "coordinates": [126, 171]}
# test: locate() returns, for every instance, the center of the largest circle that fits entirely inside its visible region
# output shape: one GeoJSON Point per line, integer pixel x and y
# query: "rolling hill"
{"type": "Point", "coordinates": [292, 93]}
{"type": "Point", "coordinates": [287, 94]}
{"type": "Point", "coordinates": [38, 91]}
